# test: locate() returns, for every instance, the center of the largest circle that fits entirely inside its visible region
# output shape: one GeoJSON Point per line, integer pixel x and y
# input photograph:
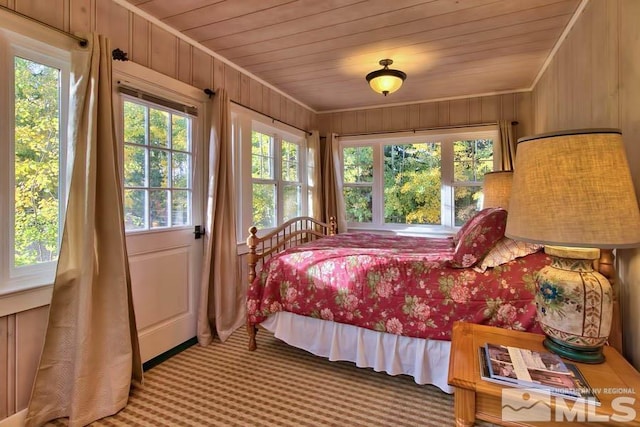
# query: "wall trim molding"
{"type": "Point", "coordinates": [15, 420]}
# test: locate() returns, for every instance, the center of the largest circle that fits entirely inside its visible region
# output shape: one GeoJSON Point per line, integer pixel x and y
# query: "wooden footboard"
{"type": "Point", "coordinates": [290, 234]}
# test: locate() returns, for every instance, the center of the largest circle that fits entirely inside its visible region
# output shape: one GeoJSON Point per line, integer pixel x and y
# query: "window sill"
{"type": "Point", "coordinates": [434, 232]}
{"type": "Point", "coordinates": [21, 300]}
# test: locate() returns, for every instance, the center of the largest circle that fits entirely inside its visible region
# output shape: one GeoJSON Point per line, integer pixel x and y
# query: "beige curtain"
{"type": "Point", "coordinates": [222, 294]}
{"type": "Point", "coordinates": [91, 349]}
{"type": "Point", "coordinates": [507, 144]}
{"type": "Point", "coordinates": [332, 183]}
{"type": "Point", "coordinates": [315, 180]}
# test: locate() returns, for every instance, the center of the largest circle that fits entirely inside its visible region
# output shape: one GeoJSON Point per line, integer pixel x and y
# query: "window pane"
{"type": "Point", "coordinates": [358, 203]}
{"type": "Point", "coordinates": [412, 183]}
{"type": "Point", "coordinates": [36, 163]}
{"type": "Point", "coordinates": [134, 123]}
{"type": "Point", "coordinates": [467, 203]}
{"type": "Point", "coordinates": [135, 170]}
{"type": "Point", "coordinates": [158, 126]}
{"type": "Point", "coordinates": [264, 205]}
{"type": "Point", "coordinates": [135, 202]}
{"type": "Point", "coordinates": [180, 203]}
{"type": "Point", "coordinates": [262, 159]}
{"type": "Point", "coordinates": [358, 164]}
{"type": "Point", "coordinates": [290, 161]}
{"type": "Point", "coordinates": [179, 133]}
{"type": "Point", "coordinates": [158, 168]}
{"type": "Point", "coordinates": [158, 208]}
{"type": "Point", "coordinates": [292, 202]}
{"type": "Point", "coordinates": [472, 159]}
{"type": "Point", "coordinates": [180, 170]}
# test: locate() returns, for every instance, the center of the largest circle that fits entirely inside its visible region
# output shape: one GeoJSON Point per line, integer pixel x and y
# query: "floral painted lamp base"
{"type": "Point", "coordinates": [574, 304]}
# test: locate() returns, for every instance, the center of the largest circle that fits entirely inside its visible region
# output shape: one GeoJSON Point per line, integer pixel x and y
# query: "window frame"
{"type": "Point", "coordinates": [243, 122]}
{"type": "Point", "coordinates": [446, 137]}
{"type": "Point", "coordinates": [123, 97]}
{"type": "Point", "coordinates": [15, 279]}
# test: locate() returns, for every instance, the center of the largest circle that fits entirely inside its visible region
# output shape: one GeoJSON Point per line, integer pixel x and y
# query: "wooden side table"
{"type": "Point", "coordinates": [476, 398]}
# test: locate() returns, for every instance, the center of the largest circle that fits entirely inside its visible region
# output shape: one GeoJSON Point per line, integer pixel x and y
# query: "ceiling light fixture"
{"type": "Point", "coordinates": [386, 81]}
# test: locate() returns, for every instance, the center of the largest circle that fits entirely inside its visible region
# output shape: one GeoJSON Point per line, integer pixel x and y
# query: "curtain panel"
{"type": "Point", "coordinates": [91, 350]}
{"type": "Point", "coordinates": [221, 308]}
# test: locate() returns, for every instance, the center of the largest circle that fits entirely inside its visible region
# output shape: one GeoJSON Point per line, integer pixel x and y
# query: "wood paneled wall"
{"type": "Point", "coordinates": [487, 109]}
{"type": "Point", "coordinates": [594, 81]}
{"type": "Point", "coordinates": [151, 46]}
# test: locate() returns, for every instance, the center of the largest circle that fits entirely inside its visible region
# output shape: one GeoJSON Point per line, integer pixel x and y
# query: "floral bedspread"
{"type": "Point", "coordinates": [396, 284]}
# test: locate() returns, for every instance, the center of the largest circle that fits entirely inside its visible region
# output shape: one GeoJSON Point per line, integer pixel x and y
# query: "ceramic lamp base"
{"type": "Point", "coordinates": [574, 304]}
{"type": "Point", "coordinates": [577, 354]}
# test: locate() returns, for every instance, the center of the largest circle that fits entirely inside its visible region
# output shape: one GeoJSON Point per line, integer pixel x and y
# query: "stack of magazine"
{"type": "Point", "coordinates": [517, 367]}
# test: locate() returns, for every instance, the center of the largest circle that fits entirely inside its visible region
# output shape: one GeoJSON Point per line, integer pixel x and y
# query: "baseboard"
{"type": "Point", "coordinates": [15, 420]}
{"type": "Point", "coordinates": [166, 355]}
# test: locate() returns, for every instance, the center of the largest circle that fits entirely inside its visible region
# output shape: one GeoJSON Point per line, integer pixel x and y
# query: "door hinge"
{"type": "Point", "coordinates": [198, 231]}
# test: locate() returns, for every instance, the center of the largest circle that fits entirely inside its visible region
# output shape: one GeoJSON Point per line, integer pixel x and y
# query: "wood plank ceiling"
{"type": "Point", "coordinates": [319, 51]}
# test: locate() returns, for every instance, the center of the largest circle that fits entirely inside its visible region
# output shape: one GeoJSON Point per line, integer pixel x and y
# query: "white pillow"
{"type": "Point", "coordinates": [506, 250]}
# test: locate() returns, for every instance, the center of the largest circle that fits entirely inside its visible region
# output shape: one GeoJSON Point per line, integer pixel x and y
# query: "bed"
{"type": "Point", "coordinates": [388, 302]}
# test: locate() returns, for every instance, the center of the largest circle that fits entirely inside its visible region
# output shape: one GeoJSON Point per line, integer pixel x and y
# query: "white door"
{"type": "Point", "coordinates": [162, 178]}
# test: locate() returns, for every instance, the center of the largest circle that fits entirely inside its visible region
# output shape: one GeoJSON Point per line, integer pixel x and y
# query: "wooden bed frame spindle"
{"type": "Point", "coordinates": [290, 234]}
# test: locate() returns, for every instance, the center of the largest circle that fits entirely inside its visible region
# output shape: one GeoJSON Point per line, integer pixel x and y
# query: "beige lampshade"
{"type": "Point", "coordinates": [574, 188]}
{"type": "Point", "coordinates": [496, 189]}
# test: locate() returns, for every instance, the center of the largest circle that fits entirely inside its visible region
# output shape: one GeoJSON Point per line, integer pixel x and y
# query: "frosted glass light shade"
{"type": "Point", "coordinates": [496, 189]}
{"type": "Point", "coordinates": [386, 81]}
{"type": "Point", "coordinates": [574, 188]}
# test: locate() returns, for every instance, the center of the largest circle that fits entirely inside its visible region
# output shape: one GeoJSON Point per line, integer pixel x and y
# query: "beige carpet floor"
{"type": "Point", "coordinates": [277, 385]}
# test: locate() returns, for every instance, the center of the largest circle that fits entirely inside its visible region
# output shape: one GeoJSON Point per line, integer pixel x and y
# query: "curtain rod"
{"type": "Point", "coordinates": [210, 93]}
{"type": "Point", "coordinates": [81, 41]}
{"type": "Point", "coordinates": [414, 130]}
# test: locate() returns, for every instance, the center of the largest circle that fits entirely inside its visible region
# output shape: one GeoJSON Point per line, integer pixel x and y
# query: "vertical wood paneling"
{"type": "Point", "coordinates": [266, 100]}
{"type": "Point", "coordinates": [524, 116]}
{"type": "Point", "coordinates": [12, 377]}
{"type": "Point", "coordinates": [475, 110]}
{"type": "Point", "coordinates": [218, 73]}
{"type": "Point", "coordinates": [443, 113]}
{"type": "Point", "coordinates": [140, 35]}
{"type": "Point", "coordinates": [605, 64]}
{"type": "Point", "coordinates": [232, 82]}
{"type": "Point", "coordinates": [290, 111]}
{"type": "Point", "coordinates": [459, 112]}
{"type": "Point", "coordinates": [245, 89]}
{"type": "Point", "coordinates": [399, 117]}
{"type": "Point", "coordinates": [350, 122]}
{"type": "Point", "coordinates": [490, 109]}
{"type": "Point", "coordinates": [255, 94]}
{"type": "Point", "coordinates": [4, 367]}
{"type": "Point", "coordinates": [374, 120]}
{"type": "Point", "coordinates": [31, 326]}
{"type": "Point", "coordinates": [508, 107]}
{"type": "Point", "coordinates": [81, 16]}
{"type": "Point", "coordinates": [5, 4]}
{"type": "Point", "coordinates": [112, 20]}
{"type": "Point", "coordinates": [428, 115]}
{"type": "Point", "coordinates": [414, 116]}
{"type": "Point", "coordinates": [164, 49]}
{"type": "Point", "coordinates": [202, 69]}
{"type": "Point", "coordinates": [184, 62]}
{"type": "Point", "coordinates": [50, 12]}
{"type": "Point", "coordinates": [274, 105]}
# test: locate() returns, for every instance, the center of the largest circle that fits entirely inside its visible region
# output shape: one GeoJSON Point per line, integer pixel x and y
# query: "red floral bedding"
{"type": "Point", "coordinates": [396, 284]}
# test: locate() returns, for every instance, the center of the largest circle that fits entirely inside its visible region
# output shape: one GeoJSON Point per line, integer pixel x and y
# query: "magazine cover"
{"type": "Point", "coordinates": [563, 380]}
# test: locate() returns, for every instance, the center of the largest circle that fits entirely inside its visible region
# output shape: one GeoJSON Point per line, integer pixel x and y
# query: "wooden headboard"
{"type": "Point", "coordinates": [290, 234]}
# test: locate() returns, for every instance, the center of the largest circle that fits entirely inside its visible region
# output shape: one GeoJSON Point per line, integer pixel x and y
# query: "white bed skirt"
{"type": "Point", "coordinates": [427, 361]}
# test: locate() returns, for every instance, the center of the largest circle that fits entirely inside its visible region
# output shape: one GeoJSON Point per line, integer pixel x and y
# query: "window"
{"type": "Point", "coordinates": [157, 166]}
{"type": "Point", "coordinates": [271, 171]}
{"type": "Point", "coordinates": [424, 180]}
{"type": "Point", "coordinates": [276, 172]}
{"type": "Point", "coordinates": [33, 122]}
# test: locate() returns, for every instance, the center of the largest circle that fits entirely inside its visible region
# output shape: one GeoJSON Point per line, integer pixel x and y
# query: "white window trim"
{"type": "Point", "coordinates": [244, 121]}
{"type": "Point", "coordinates": [19, 34]}
{"type": "Point", "coordinates": [444, 136]}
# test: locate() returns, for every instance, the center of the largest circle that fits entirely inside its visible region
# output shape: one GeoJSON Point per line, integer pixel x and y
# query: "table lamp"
{"type": "Point", "coordinates": [572, 191]}
{"type": "Point", "coordinates": [496, 189]}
